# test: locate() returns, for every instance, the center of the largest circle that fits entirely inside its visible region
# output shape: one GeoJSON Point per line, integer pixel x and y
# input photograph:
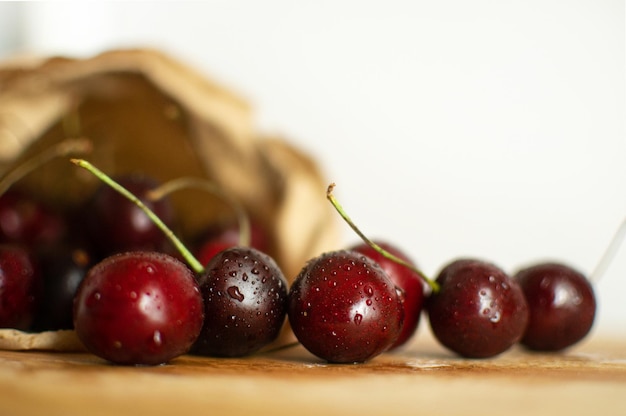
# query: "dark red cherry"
{"type": "Point", "coordinates": [141, 308]}
{"type": "Point", "coordinates": [479, 311]}
{"type": "Point", "coordinates": [28, 221]}
{"type": "Point", "coordinates": [406, 279]}
{"type": "Point", "coordinates": [561, 303]}
{"type": "Point", "coordinates": [63, 268]}
{"type": "Point", "coordinates": [245, 300]}
{"type": "Point", "coordinates": [343, 308]}
{"type": "Point", "coordinates": [116, 224]}
{"type": "Point", "coordinates": [20, 287]}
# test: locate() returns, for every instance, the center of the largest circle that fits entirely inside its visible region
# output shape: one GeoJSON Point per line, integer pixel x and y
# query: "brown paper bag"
{"type": "Point", "coordinates": [144, 111]}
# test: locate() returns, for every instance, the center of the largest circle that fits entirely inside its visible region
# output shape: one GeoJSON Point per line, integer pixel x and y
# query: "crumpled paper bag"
{"type": "Point", "coordinates": [145, 111]}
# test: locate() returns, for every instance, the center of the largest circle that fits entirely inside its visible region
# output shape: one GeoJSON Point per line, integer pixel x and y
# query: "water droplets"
{"type": "Point", "coordinates": [233, 292]}
{"type": "Point", "coordinates": [358, 318]}
{"type": "Point", "coordinates": [156, 338]}
{"type": "Point", "coordinates": [495, 317]}
{"type": "Point", "coordinates": [148, 267]}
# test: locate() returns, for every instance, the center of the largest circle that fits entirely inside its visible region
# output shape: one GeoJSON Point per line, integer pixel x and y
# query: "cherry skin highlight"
{"type": "Point", "coordinates": [138, 308]}
{"type": "Point", "coordinates": [245, 299]}
{"type": "Point", "coordinates": [561, 303]}
{"type": "Point", "coordinates": [404, 278]}
{"type": "Point", "coordinates": [479, 311]}
{"type": "Point", "coordinates": [343, 308]}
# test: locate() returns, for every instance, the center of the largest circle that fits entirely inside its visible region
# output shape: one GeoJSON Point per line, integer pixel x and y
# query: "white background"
{"type": "Point", "coordinates": [481, 128]}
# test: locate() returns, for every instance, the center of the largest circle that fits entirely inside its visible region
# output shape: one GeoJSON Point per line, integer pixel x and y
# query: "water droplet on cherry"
{"type": "Point", "coordinates": [233, 292]}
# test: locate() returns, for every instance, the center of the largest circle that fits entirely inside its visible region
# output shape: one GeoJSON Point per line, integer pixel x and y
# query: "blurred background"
{"type": "Point", "coordinates": [493, 129]}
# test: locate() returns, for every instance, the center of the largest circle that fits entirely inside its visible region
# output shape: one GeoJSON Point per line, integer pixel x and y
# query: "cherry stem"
{"type": "Point", "coordinates": [61, 149]}
{"type": "Point", "coordinates": [202, 184]}
{"type": "Point", "coordinates": [329, 195]}
{"type": "Point", "coordinates": [191, 260]}
{"type": "Point", "coordinates": [609, 253]}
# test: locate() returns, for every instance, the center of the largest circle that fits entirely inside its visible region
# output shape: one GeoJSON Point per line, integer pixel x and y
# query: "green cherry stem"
{"type": "Point", "coordinates": [202, 184]}
{"type": "Point", "coordinates": [329, 195]}
{"type": "Point", "coordinates": [195, 265]}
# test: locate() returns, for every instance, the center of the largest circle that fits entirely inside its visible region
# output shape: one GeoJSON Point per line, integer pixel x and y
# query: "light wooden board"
{"type": "Point", "coordinates": [424, 379]}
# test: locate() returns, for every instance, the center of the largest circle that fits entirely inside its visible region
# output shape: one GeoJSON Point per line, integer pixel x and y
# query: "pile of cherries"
{"type": "Point", "coordinates": [115, 273]}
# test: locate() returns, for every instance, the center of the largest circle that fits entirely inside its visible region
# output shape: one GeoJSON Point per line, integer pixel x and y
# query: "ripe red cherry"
{"type": "Point", "coordinates": [406, 279]}
{"type": "Point", "coordinates": [19, 287]}
{"type": "Point", "coordinates": [343, 308]}
{"type": "Point", "coordinates": [245, 299]}
{"type": "Point", "coordinates": [216, 239]}
{"type": "Point", "coordinates": [138, 308]}
{"type": "Point", "coordinates": [479, 311]}
{"type": "Point", "coordinates": [24, 218]}
{"type": "Point", "coordinates": [27, 221]}
{"type": "Point", "coordinates": [561, 303]}
{"type": "Point", "coordinates": [116, 224]}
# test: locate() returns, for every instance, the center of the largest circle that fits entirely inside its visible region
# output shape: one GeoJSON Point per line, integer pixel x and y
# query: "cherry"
{"type": "Point", "coordinates": [118, 225]}
{"type": "Point", "coordinates": [404, 278]}
{"type": "Point", "coordinates": [138, 308]}
{"type": "Point", "coordinates": [23, 218]}
{"type": "Point", "coordinates": [62, 268]}
{"type": "Point", "coordinates": [26, 220]}
{"type": "Point", "coordinates": [561, 305]}
{"type": "Point", "coordinates": [20, 286]}
{"type": "Point", "coordinates": [400, 269]}
{"type": "Point", "coordinates": [245, 300]}
{"type": "Point", "coordinates": [245, 291]}
{"type": "Point", "coordinates": [478, 311]}
{"type": "Point", "coordinates": [343, 308]}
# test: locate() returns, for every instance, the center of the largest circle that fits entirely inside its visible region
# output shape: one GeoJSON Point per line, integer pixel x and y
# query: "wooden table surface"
{"type": "Point", "coordinates": [589, 379]}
